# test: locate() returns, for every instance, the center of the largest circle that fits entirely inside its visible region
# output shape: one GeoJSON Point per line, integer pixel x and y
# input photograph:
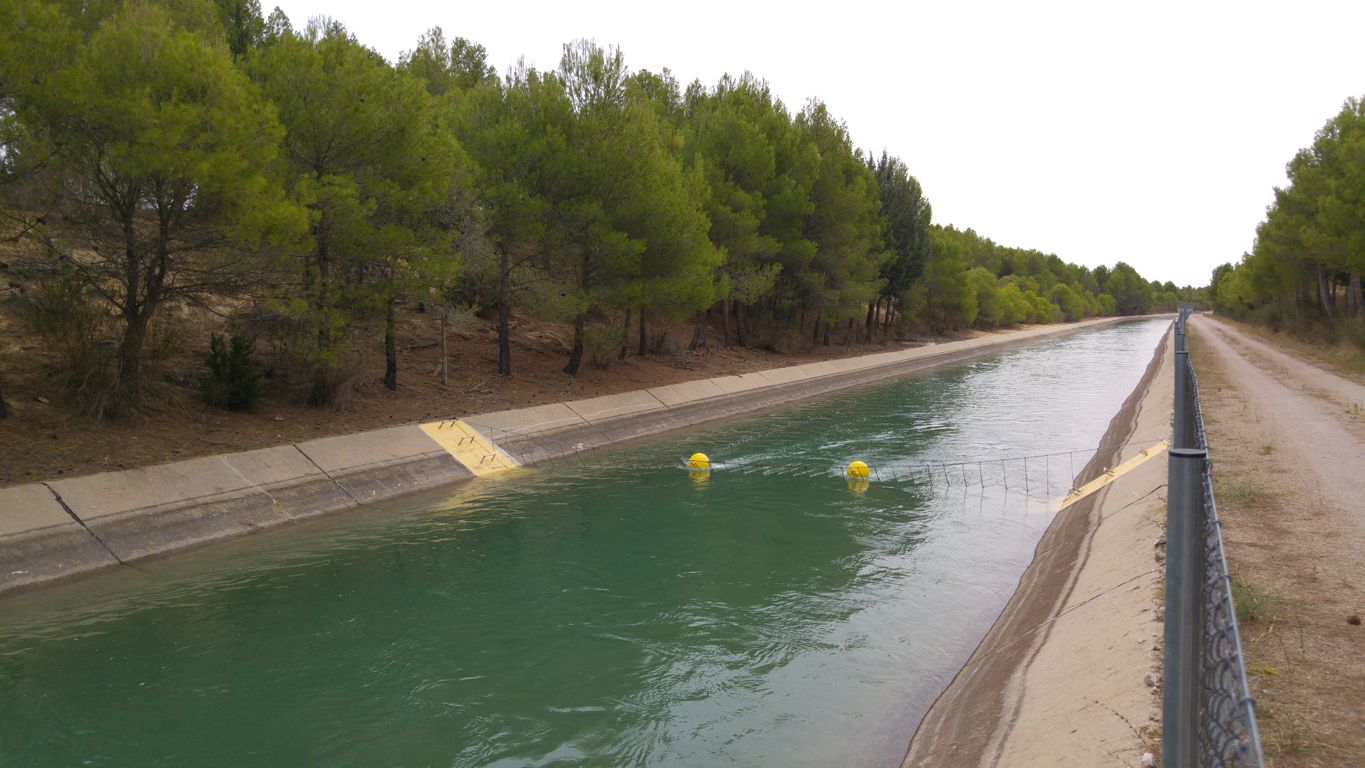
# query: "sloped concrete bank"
{"type": "Point", "coordinates": [61, 528]}
{"type": "Point", "coordinates": [1067, 675]}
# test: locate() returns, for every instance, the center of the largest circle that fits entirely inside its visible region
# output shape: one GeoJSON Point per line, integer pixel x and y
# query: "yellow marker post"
{"type": "Point", "coordinates": [468, 447]}
{"type": "Point", "coordinates": [1109, 475]}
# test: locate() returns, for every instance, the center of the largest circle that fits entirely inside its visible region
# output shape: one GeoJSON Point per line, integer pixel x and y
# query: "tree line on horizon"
{"type": "Point", "coordinates": [189, 152]}
{"type": "Point", "coordinates": [1303, 271]}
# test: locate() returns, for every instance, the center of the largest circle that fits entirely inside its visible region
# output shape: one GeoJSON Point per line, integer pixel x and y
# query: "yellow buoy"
{"type": "Point", "coordinates": [858, 485]}
{"type": "Point", "coordinates": [857, 469]}
{"type": "Point", "coordinates": [699, 461]}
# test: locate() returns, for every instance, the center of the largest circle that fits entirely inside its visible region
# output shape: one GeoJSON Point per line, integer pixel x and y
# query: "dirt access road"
{"type": "Point", "coordinates": [1288, 445]}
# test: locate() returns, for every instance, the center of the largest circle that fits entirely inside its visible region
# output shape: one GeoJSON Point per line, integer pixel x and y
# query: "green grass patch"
{"type": "Point", "coordinates": [1237, 492]}
{"type": "Point", "coordinates": [1252, 604]}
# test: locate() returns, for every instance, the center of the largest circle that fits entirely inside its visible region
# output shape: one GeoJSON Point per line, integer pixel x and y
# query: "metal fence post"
{"type": "Point", "coordinates": [1182, 428]}
{"type": "Point", "coordinates": [1184, 584]}
{"type": "Point", "coordinates": [1182, 424]}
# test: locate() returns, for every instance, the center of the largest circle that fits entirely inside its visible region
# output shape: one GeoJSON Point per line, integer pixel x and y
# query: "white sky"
{"type": "Point", "coordinates": [1148, 132]}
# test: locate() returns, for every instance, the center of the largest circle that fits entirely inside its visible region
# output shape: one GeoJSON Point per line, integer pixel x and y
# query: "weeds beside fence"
{"type": "Point", "coordinates": [1207, 713]}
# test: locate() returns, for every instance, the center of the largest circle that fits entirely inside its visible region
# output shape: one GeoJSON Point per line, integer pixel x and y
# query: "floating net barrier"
{"type": "Point", "coordinates": [1051, 474]}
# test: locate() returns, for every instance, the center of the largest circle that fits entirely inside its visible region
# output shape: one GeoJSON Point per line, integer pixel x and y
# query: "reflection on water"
{"type": "Point", "coordinates": [606, 610]}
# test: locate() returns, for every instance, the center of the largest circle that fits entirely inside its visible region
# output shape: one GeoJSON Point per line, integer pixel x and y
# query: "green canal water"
{"type": "Point", "coordinates": [607, 610]}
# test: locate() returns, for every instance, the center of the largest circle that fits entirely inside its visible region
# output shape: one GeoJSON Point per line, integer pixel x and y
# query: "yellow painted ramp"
{"type": "Point", "coordinates": [470, 448]}
{"type": "Point", "coordinates": [1112, 474]}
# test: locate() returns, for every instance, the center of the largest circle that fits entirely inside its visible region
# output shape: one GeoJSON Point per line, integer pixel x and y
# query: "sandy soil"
{"type": "Point", "coordinates": [43, 439]}
{"type": "Point", "coordinates": [1063, 678]}
{"type": "Point", "coordinates": [1288, 444]}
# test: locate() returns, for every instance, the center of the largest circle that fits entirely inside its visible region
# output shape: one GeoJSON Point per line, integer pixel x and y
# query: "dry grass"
{"type": "Point", "coordinates": [1253, 606]}
{"type": "Point", "coordinates": [1342, 357]}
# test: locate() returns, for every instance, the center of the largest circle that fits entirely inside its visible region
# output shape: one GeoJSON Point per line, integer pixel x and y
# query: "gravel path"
{"type": "Point", "coordinates": [1311, 413]}
{"type": "Point", "coordinates": [1288, 446]}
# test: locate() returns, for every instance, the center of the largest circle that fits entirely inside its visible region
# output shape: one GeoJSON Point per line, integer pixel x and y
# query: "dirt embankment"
{"type": "Point", "coordinates": [1065, 676]}
{"type": "Point", "coordinates": [1288, 444]}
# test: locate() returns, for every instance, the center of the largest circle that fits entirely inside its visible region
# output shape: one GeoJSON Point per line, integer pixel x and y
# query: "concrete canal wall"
{"type": "Point", "coordinates": [1069, 673]}
{"type": "Point", "coordinates": [65, 527]}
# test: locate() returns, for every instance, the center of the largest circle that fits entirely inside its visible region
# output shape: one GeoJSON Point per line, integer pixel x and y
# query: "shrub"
{"type": "Point", "coordinates": [601, 342]}
{"type": "Point", "coordinates": [232, 381]}
{"type": "Point", "coordinates": [659, 342]}
{"type": "Point", "coordinates": [1270, 316]}
{"type": "Point", "coordinates": [1354, 332]}
{"type": "Point", "coordinates": [69, 318]}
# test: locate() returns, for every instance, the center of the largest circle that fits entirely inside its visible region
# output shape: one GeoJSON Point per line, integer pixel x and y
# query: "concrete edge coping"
{"type": "Point", "coordinates": [276, 466]}
{"type": "Point", "coordinates": [113, 494]}
{"type": "Point", "coordinates": [673, 395]}
{"type": "Point", "coordinates": [517, 422]}
{"type": "Point", "coordinates": [31, 508]}
{"type": "Point", "coordinates": [370, 449]}
{"type": "Point", "coordinates": [788, 375]}
{"type": "Point", "coordinates": [612, 406]}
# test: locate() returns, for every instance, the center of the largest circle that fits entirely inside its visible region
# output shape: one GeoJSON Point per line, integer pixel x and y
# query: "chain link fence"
{"type": "Point", "coordinates": [1207, 714]}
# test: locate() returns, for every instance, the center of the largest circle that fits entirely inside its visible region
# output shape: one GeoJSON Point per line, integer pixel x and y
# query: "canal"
{"type": "Point", "coordinates": [604, 610]}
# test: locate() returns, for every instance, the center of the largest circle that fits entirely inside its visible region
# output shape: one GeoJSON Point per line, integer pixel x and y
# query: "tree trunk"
{"type": "Point", "coordinates": [1357, 299]}
{"type": "Point", "coordinates": [445, 350]}
{"type": "Point", "coordinates": [890, 313]}
{"type": "Point", "coordinates": [815, 330]}
{"type": "Point", "coordinates": [576, 356]}
{"type": "Point", "coordinates": [871, 316]}
{"type": "Point", "coordinates": [725, 322]}
{"type": "Point", "coordinates": [741, 325]}
{"type": "Point", "coordinates": [644, 340]}
{"type": "Point", "coordinates": [4, 407]}
{"type": "Point", "coordinates": [1322, 293]}
{"type": "Point", "coordinates": [504, 317]}
{"type": "Point", "coordinates": [699, 335]}
{"type": "Point", "coordinates": [390, 345]}
{"type": "Point", "coordinates": [625, 339]}
{"type": "Point", "coordinates": [130, 351]}
{"type": "Point", "coordinates": [321, 392]}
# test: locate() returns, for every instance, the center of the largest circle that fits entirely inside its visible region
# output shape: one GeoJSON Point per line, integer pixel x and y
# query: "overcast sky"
{"type": "Point", "coordinates": [1148, 132]}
